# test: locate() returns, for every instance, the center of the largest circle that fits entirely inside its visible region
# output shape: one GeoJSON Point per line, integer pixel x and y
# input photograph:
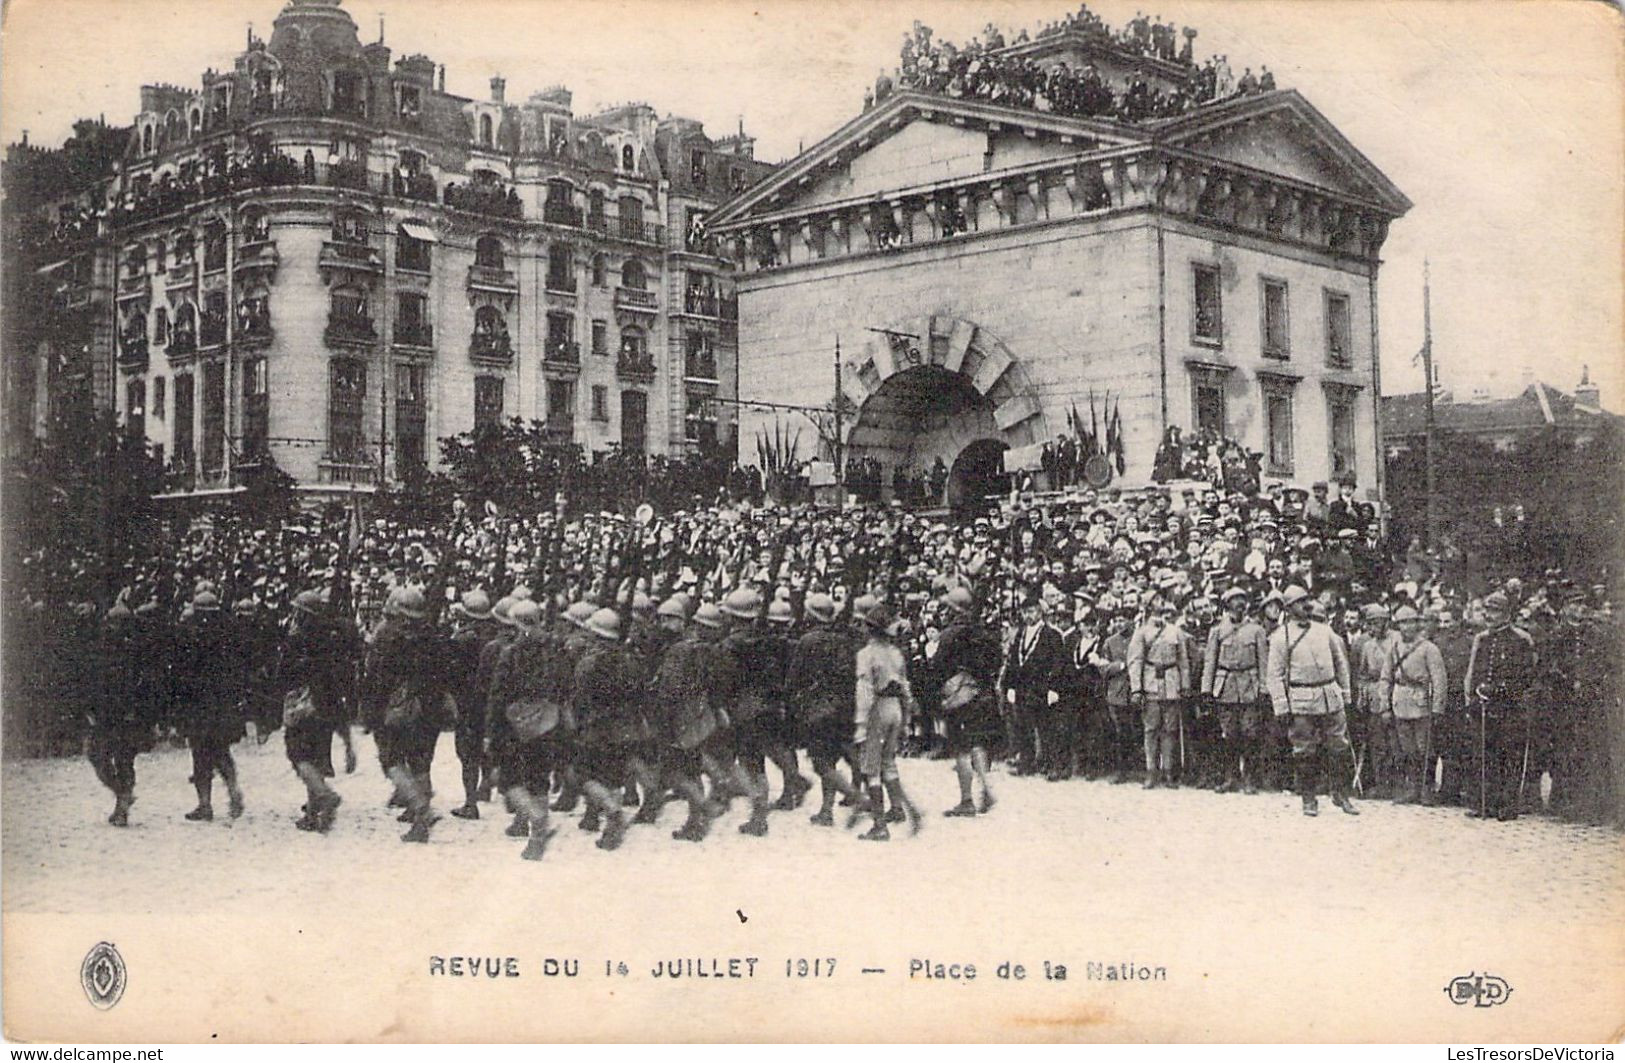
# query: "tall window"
{"type": "Point", "coordinates": [486, 135]}
{"type": "Point", "coordinates": [600, 402]}
{"type": "Point", "coordinates": [631, 217]}
{"type": "Point", "coordinates": [214, 416]}
{"type": "Point", "coordinates": [412, 319]}
{"type": "Point", "coordinates": [160, 325]}
{"type": "Point", "coordinates": [159, 385]}
{"type": "Point", "coordinates": [135, 407]}
{"type": "Point", "coordinates": [629, 159]}
{"type": "Point", "coordinates": [1278, 428]}
{"type": "Point", "coordinates": [696, 167]}
{"type": "Point", "coordinates": [346, 403]}
{"type": "Point", "coordinates": [595, 208]}
{"type": "Point", "coordinates": [214, 246]}
{"type": "Point", "coordinates": [488, 253]}
{"type": "Point", "coordinates": [634, 421]}
{"type": "Point", "coordinates": [410, 408]}
{"type": "Point", "coordinates": [600, 271]}
{"type": "Point", "coordinates": [1339, 348]}
{"type": "Point", "coordinates": [487, 402]}
{"type": "Point", "coordinates": [600, 337]}
{"type": "Point", "coordinates": [184, 413]}
{"type": "Point", "coordinates": [256, 407]}
{"type": "Point", "coordinates": [1275, 327]}
{"type": "Point", "coordinates": [411, 252]}
{"type": "Point", "coordinates": [560, 268]}
{"type": "Point", "coordinates": [561, 329]}
{"type": "Point", "coordinates": [634, 345]}
{"type": "Point", "coordinates": [633, 274]}
{"type": "Point", "coordinates": [1207, 320]}
{"type": "Point", "coordinates": [1340, 430]}
{"type": "Point", "coordinates": [699, 421]}
{"type": "Point", "coordinates": [256, 227]}
{"type": "Point", "coordinates": [561, 401]}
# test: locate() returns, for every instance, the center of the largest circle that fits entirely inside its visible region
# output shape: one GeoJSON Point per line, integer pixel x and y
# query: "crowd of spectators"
{"type": "Point", "coordinates": [982, 69]}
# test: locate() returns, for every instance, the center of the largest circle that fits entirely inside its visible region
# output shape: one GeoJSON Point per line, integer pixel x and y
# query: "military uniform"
{"type": "Point", "coordinates": [1500, 673]}
{"type": "Point", "coordinates": [1232, 676]}
{"type": "Point", "coordinates": [1308, 681]}
{"type": "Point", "coordinates": [1159, 673]}
{"type": "Point", "coordinates": [209, 696]}
{"type": "Point", "coordinates": [821, 681]}
{"type": "Point", "coordinates": [1417, 682]}
{"type": "Point", "coordinates": [1111, 661]}
{"type": "Point", "coordinates": [1371, 656]}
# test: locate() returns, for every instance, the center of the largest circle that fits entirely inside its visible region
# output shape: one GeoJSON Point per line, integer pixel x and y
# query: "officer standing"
{"type": "Point", "coordinates": [1372, 653]}
{"type": "Point", "coordinates": [1158, 674]}
{"type": "Point", "coordinates": [1232, 677]}
{"type": "Point", "coordinates": [1416, 682]}
{"type": "Point", "coordinates": [1500, 670]}
{"type": "Point", "coordinates": [1111, 661]}
{"type": "Point", "coordinates": [1308, 681]}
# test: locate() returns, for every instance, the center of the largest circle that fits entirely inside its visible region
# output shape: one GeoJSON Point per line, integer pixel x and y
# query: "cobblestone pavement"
{"type": "Point", "coordinates": [1393, 903]}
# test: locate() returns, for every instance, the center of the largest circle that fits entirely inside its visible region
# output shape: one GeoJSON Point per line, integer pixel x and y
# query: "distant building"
{"type": "Point", "coordinates": [322, 256]}
{"type": "Point", "coordinates": [1205, 261]}
{"type": "Point", "coordinates": [1537, 411]}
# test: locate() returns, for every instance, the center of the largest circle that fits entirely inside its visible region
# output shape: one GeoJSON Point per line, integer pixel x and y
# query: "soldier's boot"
{"type": "Point", "coordinates": [121, 808]}
{"type": "Point", "coordinates": [614, 832]}
{"type": "Point", "coordinates": [696, 827]}
{"type": "Point", "coordinates": [590, 819]}
{"type": "Point", "coordinates": [1153, 779]}
{"type": "Point", "coordinates": [1340, 774]}
{"type": "Point", "coordinates": [1305, 778]}
{"type": "Point", "coordinates": [1341, 800]}
{"type": "Point", "coordinates": [649, 810]}
{"type": "Point", "coordinates": [757, 824]}
{"type": "Point", "coordinates": [966, 806]}
{"type": "Point", "coordinates": [1424, 785]}
{"type": "Point", "coordinates": [569, 796]}
{"type": "Point", "coordinates": [877, 801]}
{"type": "Point", "coordinates": [423, 818]}
{"type": "Point", "coordinates": [467, 810]}
{"type": "Point", "coordinates": [1231, 780]}
{"type": "Point", "coordinates": [536, 847]}
{"type": "Point", "coordinates": [204, 812]}
{"type": "Point", "coordinates": [327, 807]}
{"type": "Point", "coordinates": [900, 803]}
{"type": "Point", "coordinates": [519, 827]}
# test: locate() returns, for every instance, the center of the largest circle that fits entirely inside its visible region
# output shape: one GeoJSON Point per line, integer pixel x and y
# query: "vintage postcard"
{"type": "Point", "coordinates": [812, 521]}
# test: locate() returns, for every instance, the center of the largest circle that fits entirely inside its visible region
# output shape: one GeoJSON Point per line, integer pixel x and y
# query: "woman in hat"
{"type": "Point", "coordinates": [884, 702]}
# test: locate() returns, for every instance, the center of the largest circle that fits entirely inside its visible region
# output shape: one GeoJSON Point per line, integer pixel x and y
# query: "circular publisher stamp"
{"type": "Point", "coordinates": [103, 975]}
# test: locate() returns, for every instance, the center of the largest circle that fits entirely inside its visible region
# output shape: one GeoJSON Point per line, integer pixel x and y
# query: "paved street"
{"type": "Point", "coordinates": [1230, 893]}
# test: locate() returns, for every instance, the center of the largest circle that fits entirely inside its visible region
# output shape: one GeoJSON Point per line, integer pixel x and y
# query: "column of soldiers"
{"type": "Point", "coordinates": [627, 706]}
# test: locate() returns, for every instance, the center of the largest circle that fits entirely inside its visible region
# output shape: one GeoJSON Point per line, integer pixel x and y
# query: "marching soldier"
{"type": "Point", "coordinates": [884, 701]}
{"type": "Point", "coordinates": [820, 681]}
{"type": "Point", "coordinates": [685, 714]}
{"type": "Point", "coordinates": [759, 665]}
{"type": "Point", "coordinates": [475, 628]}
{"type": "Point", "coordinates": [117, 716]}
{"type": "Point", "coordinates": [1232, 678]}
{"type": "Point", "coordinates": [208, 699]}
{"type": "Point", "coordinates": [1159, 674]}
{"type": "Point", "coordinates": [609, 717]}
{"type": "Point", "coordinates": [968, 656]}
{"type": "Point", "coordinates": [1417, 683]}
{"type": "Point", "coordinates": [1500, 672]}
{"type": "Point", "coordinates": [526, 716]}
{"type": "Point", "coordinates": [1308, 681]}
{"type": "Point", "coordinates": [404, 693]}
{"type": "Point", "coordinates": [499, 750]}
{"type": "Point", "coordinates": [316, 667]}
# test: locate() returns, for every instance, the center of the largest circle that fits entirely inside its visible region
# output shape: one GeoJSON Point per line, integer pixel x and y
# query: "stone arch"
{"type": "Point", "coordinates": [964, 353]}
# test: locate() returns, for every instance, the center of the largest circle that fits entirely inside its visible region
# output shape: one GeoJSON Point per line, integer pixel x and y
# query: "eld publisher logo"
{"type": "Point", "coordinates": [103, 975]}
{"type": "Point", "coordinates": [1479, 990]}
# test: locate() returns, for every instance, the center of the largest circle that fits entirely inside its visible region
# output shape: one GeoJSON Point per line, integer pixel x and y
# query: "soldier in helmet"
{"type": "Point", "coordinates": [683, 711]}
{"type": "Point", "coordinates": [759, 662]}
{"type": "Point", "coordinates": [1233, 677]}
{"type": "Point", "coordinates": [1370, 654]}
{"type": "Point", "coordinates": [781, 741]}
{"type": "Point", "coordinates": [1158, 673]}
{"type": "Point", "coordinates": [573, 639]}
{"type": "Point", "coordinates": [525, 704]}
{"type": "Point", "coordinates": [884, 701]}
{"type": "Point", "coordinates": [117, 716]}
{"type": "Point", "coordinates": [316, 662]}
{"type": "Point", "coordinates": [404, 691]}
{"type": "Point", "coordinates": [968, 659]}
{"type": "Point", "coordinates": [498, 746]}
{"type": "Point", "coordinates": [1308, 681]}
{"type": "Point", "coordinates": [209, 695]}
{"type": "Point", "coordinates": [1417, 684]}
{"type": "Point", "coordinates": [820, 680]}
{"type": "Point", "coordinates": [474, 628]}
{"type": "Point", "coordinates": [1500, 672]}
{"type": "Point", "coordinates": [607, 698]}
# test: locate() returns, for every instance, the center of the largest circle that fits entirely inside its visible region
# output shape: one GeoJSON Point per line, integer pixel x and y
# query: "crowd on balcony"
{"type": "Point", "coordinates": [254, 316]}
{"type": "Point", "coordinates": [494, 199]}
{"type": "Point", "coordinates": [490, 339]}
{"type": "Point", "coordinates": [1207, 456]}
{"type": "Point", "coordinates": [261, 167]}
{"type": "Point", "coordinates": [979, 71]}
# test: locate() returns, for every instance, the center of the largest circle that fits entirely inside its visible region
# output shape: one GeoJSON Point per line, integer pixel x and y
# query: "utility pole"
{"type": "Point", "coordinates": [840, 466]}
{"type": "Point", "coordinates": [1427, 371]}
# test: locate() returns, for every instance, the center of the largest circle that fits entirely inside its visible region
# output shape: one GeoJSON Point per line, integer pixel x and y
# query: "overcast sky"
{"type": "Point", "coordinates": [1502, 121]}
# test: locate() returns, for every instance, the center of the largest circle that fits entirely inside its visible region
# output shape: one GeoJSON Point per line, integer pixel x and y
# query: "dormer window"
{"type": "Point", "coordinates": [349, 94]}
{"type": "Point", "coordinates": [146, 140]}
{"type": "Point", "coordinates": [487, 133]}
{"type": "Point", "coordinates": [411, 104]}
{"type": "Point", "coordinates": [629, 159]}
{"type": "Point", "coordinates": [696, 168]}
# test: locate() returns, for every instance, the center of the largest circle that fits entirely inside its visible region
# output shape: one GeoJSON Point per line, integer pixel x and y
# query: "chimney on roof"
{"type": "Point", "coordinates": [499, 88]}
{"type": "Point", "coordinates": [442, 77]}
{"type": "Point", "coordinates": [1587, 396]}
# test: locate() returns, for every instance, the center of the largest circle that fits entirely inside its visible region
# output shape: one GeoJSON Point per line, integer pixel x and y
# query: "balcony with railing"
{"type": "Point", "coordinates": [254, 324]}
{"type": "Point", "coordinates": [636, 367]}
{"type": "Point", "coordinates": [491, 347]}
{"type": "Point", "coordinates": [701, 366]}
{"type": "Point", "coordinates": [211, 330]}
{"type": "Point", "coordinates": [494, 199]}
{"type": "Point", "coordinates": [347, 254]}
{"type": "Point", "coordinates": [351, 174]}
{"type": "Point", "coordinates": [350, 327]}
{"type": "Point", "coordinates": [562, 357]}
{"type": "Point", "coordinates": [182, 341]}
{"type": "Point", "coordinates": [133, 284]}
{"type": "Point", "coordinates": [559, 213]}
{"type": "Point", "coordinates": [559, 428]}
{"type": "Point", "coordinates": [257, 254]}
{"type": "Point", "coordinates": [181, 275]}
{"type": "Point", "coordinates": [635, 299]}
{"type": "Point", "coordinates": [493, 279]}
{"type": "Point", "coordinates": [632, 230]}
{"type": "Point", "coordinates": [132, 349]}
{"type": "Point", "coordinates": [414, 334]}
{"type": "Point", "coordinates": [335, 470]}
{"type": "Point", "coordinates": [418, 186]}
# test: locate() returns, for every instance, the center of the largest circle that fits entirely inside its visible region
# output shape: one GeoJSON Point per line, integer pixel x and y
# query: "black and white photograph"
{"type": "Point", "coordinates": [912, 521]}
